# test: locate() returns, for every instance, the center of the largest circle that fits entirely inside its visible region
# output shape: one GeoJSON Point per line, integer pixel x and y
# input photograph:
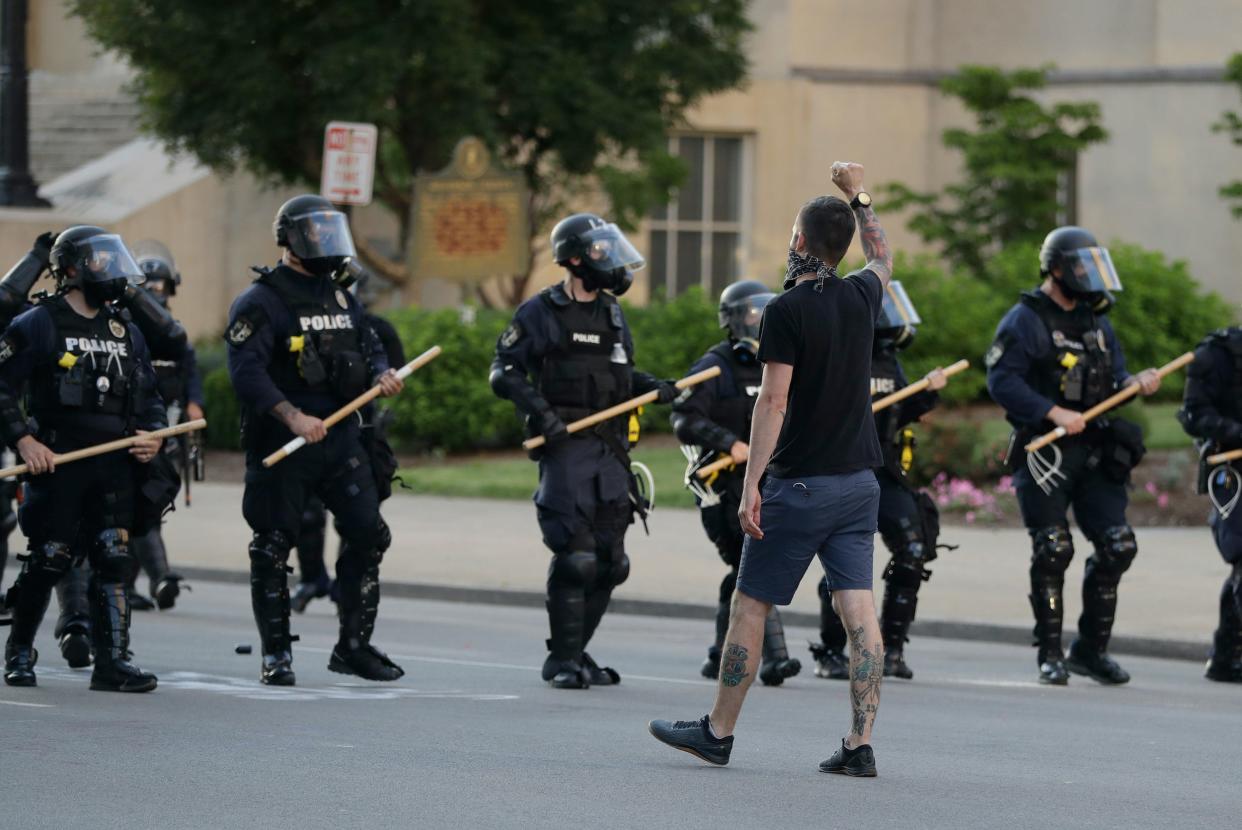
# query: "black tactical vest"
{"type": "Point", "coordinates": [1078, 373]}
{"type": "Point", "coordinates": [589, 369]}
{"type": "Point", "coordinates": [327, 356]}
{"type": "Point", "coordinates": [735, 411]}
{"type": "Point", "coordinates": [885, 380]}
{"type": "Point", "coordinates": [1229, 401]}
{"type": "Point", "coordinates": [91, 390]}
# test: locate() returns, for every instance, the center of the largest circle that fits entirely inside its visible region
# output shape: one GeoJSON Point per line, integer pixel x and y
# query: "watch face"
{"type": "Point", "coordinates": [864, 198]}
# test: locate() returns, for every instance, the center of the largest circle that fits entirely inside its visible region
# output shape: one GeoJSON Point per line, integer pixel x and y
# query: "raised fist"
{"type": "Point", "coordinates": [848, 176]}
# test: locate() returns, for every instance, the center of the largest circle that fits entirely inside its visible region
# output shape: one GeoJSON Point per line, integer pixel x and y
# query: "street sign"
{"type": "Point", "coordinates": [470, 220]}
{"type": "Point", "coordinates": [348, 162]}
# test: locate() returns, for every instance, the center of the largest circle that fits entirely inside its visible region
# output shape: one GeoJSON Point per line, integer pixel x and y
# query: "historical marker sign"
{"type": "Point", "coordinates": [470, 220]}
{"type": "Point", "coordinates": [348, 162]}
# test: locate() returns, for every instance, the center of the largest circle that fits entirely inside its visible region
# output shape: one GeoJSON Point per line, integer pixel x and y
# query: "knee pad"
{"type": "Point", "coordinates": [112, 558]}
{"type": "Point", "coordinates": [619, 571]}
{"type": "Point", "coordinates": [314, 516]}
{"type": "Point", "coordinates": [1052, 550]}
{"type": "Point", "coordinates": [1115, 549]}
{"type": "Point", "coordinates": [575, 568]}
{"type": "Point", "coordinates": [269, 550]}
{"type": "Point", "coordinates": [906, 571]}
{"type": "Point", "coordinates": [50, 559]}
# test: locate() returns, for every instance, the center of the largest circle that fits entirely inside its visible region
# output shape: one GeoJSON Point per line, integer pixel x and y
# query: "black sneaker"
{"type": "Point", "coordinates": [895, 665]}
{"type": "Point", "coordinates": [600, 675]}
{"type": "Point", "coordinates": [1224, 671]}
{"type": "Point", "coordinates": [307, 591]}
{"type": "Point", "coordinates": [858, 762]}
{"type": "Point", "coordinates": [694, 737]}
{"type": "Point", "coordinates": [1052, 671]}
{"type": "Point", "coordinates": [167, 590]}
{"type": "Point", "coordinates": [366, 661]}
{"type": "Point", "coordinates": [1095, 664]}
{"type": "Point", "coordinates": [277, 670]}
{"type": "Point", "coordinates": [75, 647]}
{"type": "Point", "coordinates": [830, 663]}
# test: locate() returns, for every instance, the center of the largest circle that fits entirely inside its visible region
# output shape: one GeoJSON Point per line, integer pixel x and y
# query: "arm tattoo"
{"type": "Point", "coordinates": [733, 665]}
{"type": "Point", "coordinates": [874, 244]}
{"type": "Point", "coordinates": [284, 412]}
{"type": "Point", "coordinates": [866, 672]}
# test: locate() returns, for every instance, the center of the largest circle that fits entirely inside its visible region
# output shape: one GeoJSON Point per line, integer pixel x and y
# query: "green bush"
{"type": "Point", "coordinates": [222, 411]}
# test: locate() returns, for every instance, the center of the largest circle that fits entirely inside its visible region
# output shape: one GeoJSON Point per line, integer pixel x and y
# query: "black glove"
{"type": "Point", "coordinates": [551, 427]}
{"type": "Point", "coordinates": [667, 392]}
{"type": "Point", "coordinates": [42, 248]}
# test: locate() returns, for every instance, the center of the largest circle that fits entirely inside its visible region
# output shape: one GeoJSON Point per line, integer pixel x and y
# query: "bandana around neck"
{"type": "Point", "coordinates": [800, 264]}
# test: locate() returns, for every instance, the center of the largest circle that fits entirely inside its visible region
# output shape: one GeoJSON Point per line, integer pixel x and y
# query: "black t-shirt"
{"type": "Point", "coordinates": [827, 338]}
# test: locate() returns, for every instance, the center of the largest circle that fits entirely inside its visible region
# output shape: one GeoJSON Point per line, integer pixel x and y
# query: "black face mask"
{"type": "Point", "coordinates": [325, 266]}
{"type": "Point", "coordinates": [800, 264]}
{"type": "Point", "coordinates": [615, 282]}
{"type": "Point", "coordinates": [98, 294]}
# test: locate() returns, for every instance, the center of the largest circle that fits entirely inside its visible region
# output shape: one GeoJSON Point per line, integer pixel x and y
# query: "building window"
{"type": "Point", "coordinates": [700, 237]}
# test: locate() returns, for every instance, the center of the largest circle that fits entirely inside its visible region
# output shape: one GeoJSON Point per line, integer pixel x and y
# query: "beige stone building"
{"type": "Point", "coordinates": [831, 79]}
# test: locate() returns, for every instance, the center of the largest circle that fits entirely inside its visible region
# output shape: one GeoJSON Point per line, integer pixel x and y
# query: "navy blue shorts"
{"type": "Point", "coordinates": [833, 517]}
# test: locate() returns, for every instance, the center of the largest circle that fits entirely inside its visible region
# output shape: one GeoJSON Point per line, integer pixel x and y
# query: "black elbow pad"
{"type": "Point", "coordinates": [165, 336]}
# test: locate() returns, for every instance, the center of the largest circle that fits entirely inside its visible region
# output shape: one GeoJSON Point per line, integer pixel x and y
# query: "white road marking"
{"type": "Point", "coordinates": [24, 703]}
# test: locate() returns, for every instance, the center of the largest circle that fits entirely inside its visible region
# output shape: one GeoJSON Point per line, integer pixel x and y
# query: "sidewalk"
{"type": "Point", "coordinates": [471, 549]}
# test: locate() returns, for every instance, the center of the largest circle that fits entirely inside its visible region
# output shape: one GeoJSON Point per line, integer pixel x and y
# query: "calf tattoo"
{"type": "Point", "coordinates": [866, 672]}
{"type": "Point", "coordinates": [733, 665]}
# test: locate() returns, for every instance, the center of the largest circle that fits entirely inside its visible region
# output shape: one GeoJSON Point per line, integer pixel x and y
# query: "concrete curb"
{"type": "Point", "coordinates": [942, 629]}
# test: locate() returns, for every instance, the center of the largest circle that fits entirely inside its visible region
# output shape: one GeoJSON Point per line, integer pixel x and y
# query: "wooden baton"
{"type": "Point", "coordinates": [626, 406]}
{"type": "Point", "coordinates": [883, 403]}
{"type": "Point", "coordinates": [1224, 457]}
{"type": "Point", "coordinates": [110, 446]}
{"type": "Point", "coordinates": [353, 406]}
{"type": "Point", "coordinates": [1105, 405]}
{"type": "Point", "coordinates": [917, 387]}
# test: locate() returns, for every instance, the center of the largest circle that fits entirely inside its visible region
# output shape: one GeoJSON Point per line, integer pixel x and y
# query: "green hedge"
{"type": "Point", "coordinates": [449, 407]}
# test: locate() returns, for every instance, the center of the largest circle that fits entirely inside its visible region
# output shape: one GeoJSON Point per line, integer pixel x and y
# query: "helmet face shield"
{"type": "Point", "coordinates": [607, 250]}
{"type": "Point", "coordinates": [105, 258]}
{"type": "Point", "coordinates": [743, 318]}
{"type": "Point", "coordinates": [157, 265]}
{"type": "Point", "coordinates": [1088, 270]}
{"type": "Point", "coordinates": [898, 317]}
{"type": "Point", "coordinates": [320, 234]}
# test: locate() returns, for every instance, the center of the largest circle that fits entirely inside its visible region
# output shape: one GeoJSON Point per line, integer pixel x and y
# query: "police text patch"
{"type": "Point", "coordinates": [510, 336]}
{"type": "Point", "coordinates": [240, 331]}
{"type": "Point", "coordinates": [994, 354]}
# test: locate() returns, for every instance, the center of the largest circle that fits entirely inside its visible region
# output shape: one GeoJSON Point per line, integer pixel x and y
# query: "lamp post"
{"type": "Point", "coordinates": [17, 186]}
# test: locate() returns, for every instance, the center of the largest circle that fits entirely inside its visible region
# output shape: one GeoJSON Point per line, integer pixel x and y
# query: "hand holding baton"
{"type": "Point", "coordinates": [353, 406]}
{"type": "Point", "coordinates": [111, 446]}
{"type": "Point", "coordinates": [708, 470]}
{"type": "Point", "coordinates": [1111, 402]}
{"type": "Point", "coordinates": [622, 408]}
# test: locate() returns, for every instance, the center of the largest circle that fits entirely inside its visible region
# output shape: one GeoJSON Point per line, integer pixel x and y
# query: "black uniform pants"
{"type": "Point", "coordinates": [337, 471]}
{"type": "Point", "coordinates": [910, 541]}
{"type": "Point", "coordinates": [584, 509]}
{"type": "Point", "coordinates": [1228, 536]}
{"type": "Point", "coordinates": [1099, 503]}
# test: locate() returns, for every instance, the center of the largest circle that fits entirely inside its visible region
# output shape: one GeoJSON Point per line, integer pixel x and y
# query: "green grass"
{"type": "Point", "coordinates": [514, 476]}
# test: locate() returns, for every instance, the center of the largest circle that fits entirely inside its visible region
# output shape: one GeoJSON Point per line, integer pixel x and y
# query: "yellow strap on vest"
{"type": "Point", "coordinates": [907, 449]}
{"type": "Point", "coordinates": [297, 342]}
{"type": "Point", "coordinates": [67, 360]}
{"type": "Point", "coordinates": [635, 427]}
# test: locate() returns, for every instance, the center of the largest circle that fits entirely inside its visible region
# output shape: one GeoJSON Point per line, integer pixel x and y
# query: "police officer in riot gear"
{"type": "Point", "coordinates": [89, 380]}
{"type": "Point", "coordinates": [181, 388]}
{"type": "Point", "coordinates": [313, 579]}
{"type": "Point", "coordinates": [1212, 412]}
{"type": "Point", "coordinates": [711, 420]}
{"type": "Point", "coordinates": [14, 289]}
{"type": "Point", "coordinates": [908, 519]}
{"type": "Point", "coordinates": [566, 354]}
{"type": "Point", "coordinates": [1055, 356]}
{"type": "Point", "coordinates": [297, 351]}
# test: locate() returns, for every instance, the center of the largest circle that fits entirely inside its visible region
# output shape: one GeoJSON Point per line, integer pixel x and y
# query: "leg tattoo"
{"type": "Point", "coordinates": [866, 672]}
{"type": "Point", "coordinates": [733, 665]}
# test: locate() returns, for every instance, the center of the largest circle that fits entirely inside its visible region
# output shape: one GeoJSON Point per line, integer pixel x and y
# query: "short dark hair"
{"type": "Point", "coordinates": [828, 225]}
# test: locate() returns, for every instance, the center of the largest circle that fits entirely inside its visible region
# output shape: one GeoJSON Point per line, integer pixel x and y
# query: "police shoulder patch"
{"type": "Point", "coordinates": [340, 299]}
{"type": "Point", "coordinates": [511, 335]}
{"type": "Point", "coordinates": [117, 328]}
{"type": "Point", "coordinates": [994, 354]}
{"type": "Point", "coordinates": [615, 313]}
{"type": "Point", "coordinates": [7, 349]}
{"type": "Point", "coordinates": [240, 331]}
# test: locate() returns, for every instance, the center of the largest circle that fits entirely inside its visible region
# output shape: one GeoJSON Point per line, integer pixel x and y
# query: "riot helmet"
{"type": "Point", "coordinates": [607, 260]}
{"type": "Point", "coordinates": [1084, 269]}
{"type": "Point", "coordinates": [316, 233]}
{"type": "Point", "coordinates": [741, 312]}
{"type": "Point", "coordinates": [895, 327]}
{"type": "Point", "coordinates": [159, 268]}
{"type": "Point", "coordinates": [95, 261]}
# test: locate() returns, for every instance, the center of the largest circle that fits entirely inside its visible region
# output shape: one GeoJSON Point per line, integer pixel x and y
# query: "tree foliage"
{"type": "Point", "coordinates": [1231, 123]}
{"type": "Point", "coordinates": [561, 89]}
{"type": "Point", "coordinates": [1013, 163]}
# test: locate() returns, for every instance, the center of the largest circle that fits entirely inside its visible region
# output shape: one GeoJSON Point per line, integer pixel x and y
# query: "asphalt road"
{"type": "Point", "coordinates": [472, 738]}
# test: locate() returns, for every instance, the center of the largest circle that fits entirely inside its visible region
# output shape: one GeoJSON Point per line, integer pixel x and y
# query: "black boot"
{"type": "Point", "coordinates": [269, 598]}
{"type": "Point", "coordinates": [902, 579]}
{"type": "Point", "coordinates": [895, 663]}
{"type": "Point", "coordinates": [566, 604]}
{"type": "Point", "coordinates": [600, 675]}
{"type": "Point", "coordinates": [353, 653]}
{"type": "Point", "coordinates": [1093, 661]}
{"type": "Point", "coordinates": [830, 663]}
{"type": "Point", "coordinates": [1049, 617]}
{"type": "Point", "coordinates": [1226, 663]}
{"type": "Point", "coordinates": [19, 663]}
{"type": "Point", "coordinates": [166, 590]}
{"type": "Point", "coordinates": [307, 591]}
{"type": "Point", "coordinates": [28, 599]}
{"type": "Point", "coordinates": [110, 630]}
{"type": "Point", "coordinates": [73, 627]}
{"type": "Point", "coordinates": [75, 646]}
{"type": "Point", "coordinates": [776, 665]}
{"type": "Point", "coordinates": [151, 554]}
{"type": "Point", "coordinates": [711, 666]}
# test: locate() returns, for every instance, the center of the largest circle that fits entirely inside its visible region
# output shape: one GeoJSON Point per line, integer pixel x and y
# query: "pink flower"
{"type": "Point", "coordinates": [970, 517]}
{"type": "Point", "coordinates": [1150, 487]}
{"type": "Point", "coordinates": [1162, 500]}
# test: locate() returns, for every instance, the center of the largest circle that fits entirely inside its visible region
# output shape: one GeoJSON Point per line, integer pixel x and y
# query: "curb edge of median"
{"type": "Point", "coordinates": [941, 629]}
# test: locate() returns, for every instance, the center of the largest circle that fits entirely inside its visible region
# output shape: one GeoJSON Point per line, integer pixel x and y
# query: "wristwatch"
{"type": "Point", "coordinates": [861, 199]}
